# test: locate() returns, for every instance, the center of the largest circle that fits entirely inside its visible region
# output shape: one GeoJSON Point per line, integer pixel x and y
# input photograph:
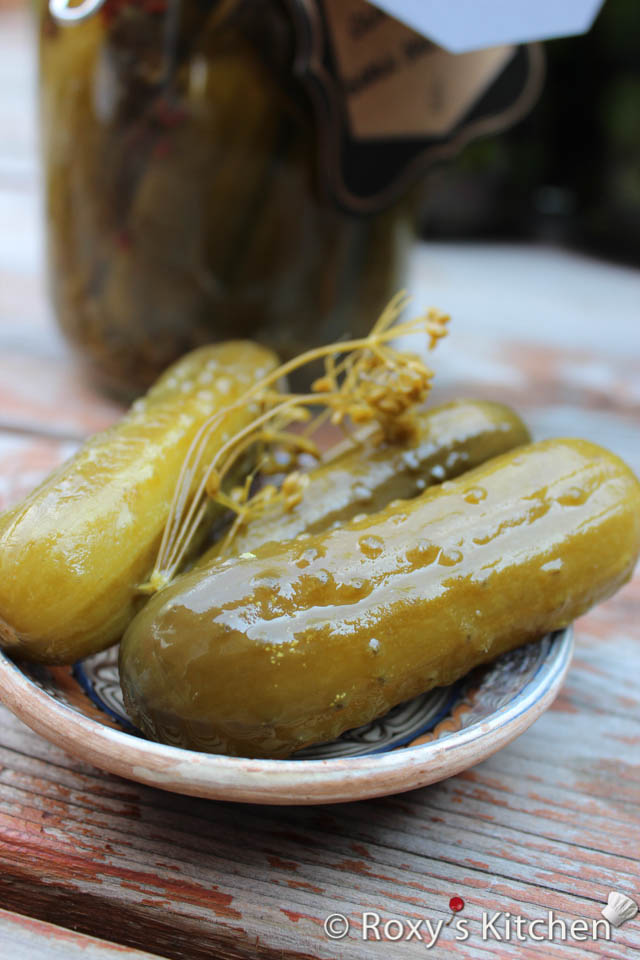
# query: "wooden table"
{"type": "Point", "coordinates": [551, 822]}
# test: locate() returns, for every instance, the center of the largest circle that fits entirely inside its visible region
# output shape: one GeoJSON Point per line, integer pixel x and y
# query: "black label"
{"type": "Point", "coordinates": [389, 102]}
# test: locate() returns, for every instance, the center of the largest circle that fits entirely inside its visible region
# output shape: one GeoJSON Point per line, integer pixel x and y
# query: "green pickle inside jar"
{"type": "Point", "coordinates": [184, 196]}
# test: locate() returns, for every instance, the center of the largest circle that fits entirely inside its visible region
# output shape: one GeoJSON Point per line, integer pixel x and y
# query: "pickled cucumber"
{"type": "Point", "coordinates": [448, 440]}
{"type": "Point", "coordinates": [264, 654]}
{"type": "Point", "coordinates": [73, 553]}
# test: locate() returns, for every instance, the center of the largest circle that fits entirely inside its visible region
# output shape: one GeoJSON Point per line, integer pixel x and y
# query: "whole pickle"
{"type": "Point", "coordinates": [74, 552]}
{"type": "Point", "coordinates": [262, 655]}
{"type": "Point", "coordinates": [448, 440]}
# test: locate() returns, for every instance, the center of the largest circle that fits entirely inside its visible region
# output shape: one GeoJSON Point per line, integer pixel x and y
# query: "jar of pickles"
{"type": "Point", "coordinates": [242, 168]}
{"type": "Point", "coordinates": [185, 200]}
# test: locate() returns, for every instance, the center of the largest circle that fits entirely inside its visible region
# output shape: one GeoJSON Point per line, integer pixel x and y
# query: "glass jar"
{"type": "Point", "coordinates": [184, 196]}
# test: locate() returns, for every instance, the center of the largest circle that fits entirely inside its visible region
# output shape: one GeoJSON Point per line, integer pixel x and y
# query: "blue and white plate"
{"type": "Point", "coordinates": [426, 739]}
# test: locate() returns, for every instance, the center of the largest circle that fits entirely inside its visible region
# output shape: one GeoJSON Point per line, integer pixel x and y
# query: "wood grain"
{"type": "Point", "coordinates": [23, 937]}
{"type": "Point", "coordinates": [551, 822]}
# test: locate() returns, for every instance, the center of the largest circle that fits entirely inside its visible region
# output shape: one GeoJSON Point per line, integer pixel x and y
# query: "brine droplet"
{"type": "Point", "coordinates": [399, 518]}
{"type": "Point", "coordinates": [573, 497]}
{"type": "Point", "coordinates": [423, 553]}
{"type": "Point", "coordinates": [371, 546]}
{"type": "Point", "coordinates": [449, 558]}
{"type": "Point", "coordinates": [411, 459]}
{"type": "Point", "coordinates": [455, 457]}
{"type": "Point", "coordinates": [475, 495]}
{"type": "Point", "coordinates": [361, 492]}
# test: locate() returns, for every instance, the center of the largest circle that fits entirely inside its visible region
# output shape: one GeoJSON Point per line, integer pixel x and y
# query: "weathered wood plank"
{"type": "Point", "coordinates": [51, 397]}
{"type": "Point", "coordinates": [23, 937]}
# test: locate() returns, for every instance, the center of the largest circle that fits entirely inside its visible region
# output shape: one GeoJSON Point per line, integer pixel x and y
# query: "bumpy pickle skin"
{"type": "Point", "coordinates": [73, 554]}
{"type": "Point", "coordinates": [448, 440]}
{"type": "Point", "coordinates": [264, 654]}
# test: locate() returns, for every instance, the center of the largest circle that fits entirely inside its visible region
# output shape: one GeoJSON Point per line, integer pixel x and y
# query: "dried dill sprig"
{"type": "Point", "coordinates": [366, 381]}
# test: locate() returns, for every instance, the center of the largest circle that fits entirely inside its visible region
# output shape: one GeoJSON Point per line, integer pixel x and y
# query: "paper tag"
{"type": "Point", "coordinates": [463, 25]}
{"type": "Point", "coordinates": [397, 83]}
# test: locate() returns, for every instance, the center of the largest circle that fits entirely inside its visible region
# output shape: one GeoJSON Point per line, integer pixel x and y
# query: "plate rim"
{"type": "Point", "coordinates": [336, 779]}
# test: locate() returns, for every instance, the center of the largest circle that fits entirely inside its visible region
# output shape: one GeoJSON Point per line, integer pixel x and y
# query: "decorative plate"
{"type": "Point", "coordinates": [419, 742]}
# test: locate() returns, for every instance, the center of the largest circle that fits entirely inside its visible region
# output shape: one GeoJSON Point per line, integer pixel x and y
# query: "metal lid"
{"type": "Point", "coordinates": [63, 13]}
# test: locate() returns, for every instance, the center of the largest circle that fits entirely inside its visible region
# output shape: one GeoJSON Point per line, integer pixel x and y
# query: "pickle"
{"type": "Point", "coordinates": [74, 552]}
{"type": "Point", "coordinates": [264, 654]}
{"type": "Point", "coordinates": [448, 440]}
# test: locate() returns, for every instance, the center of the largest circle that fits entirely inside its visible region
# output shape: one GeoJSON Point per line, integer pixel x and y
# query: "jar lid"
{"type": "Point", "coordinates": [64, 13]}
